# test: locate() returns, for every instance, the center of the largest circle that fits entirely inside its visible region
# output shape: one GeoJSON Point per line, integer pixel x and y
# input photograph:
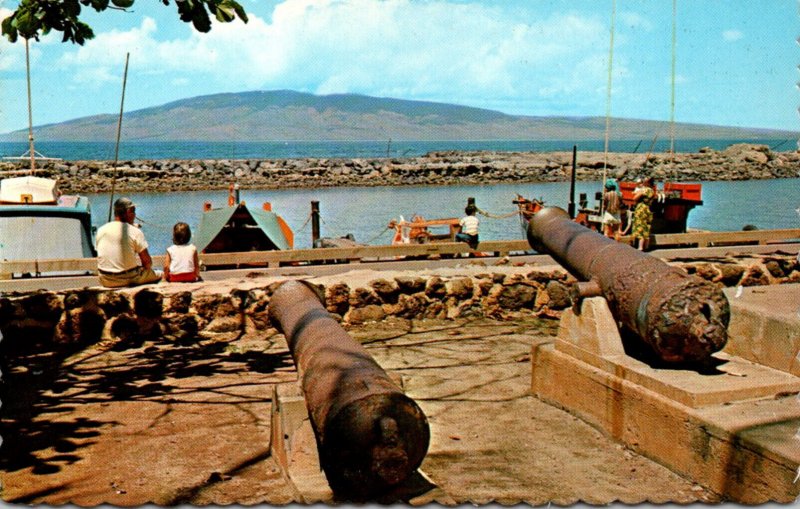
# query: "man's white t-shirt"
{"type": "Point", "coordinates": [181, 258]}
{"type": "Point", "coordinates": [118, 246]}
{"type": "Point", "coordinates": [469, 225]}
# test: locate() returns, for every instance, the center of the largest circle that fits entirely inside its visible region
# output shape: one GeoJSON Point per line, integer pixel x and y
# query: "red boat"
{"type": "Point", "coordinates": [671, 207]}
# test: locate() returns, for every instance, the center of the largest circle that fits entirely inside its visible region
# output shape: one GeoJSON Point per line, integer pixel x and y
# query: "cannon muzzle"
{"type": "Point", "coordinates": [371, 436]}
{"type": "Point", "coordinates": [684, 318]}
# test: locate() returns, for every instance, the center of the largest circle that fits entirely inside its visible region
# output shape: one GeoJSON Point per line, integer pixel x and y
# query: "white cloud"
{"type": "Point", "coordinates": [432, 50]}
{"type": "Point", "coordinates": [732, 35]}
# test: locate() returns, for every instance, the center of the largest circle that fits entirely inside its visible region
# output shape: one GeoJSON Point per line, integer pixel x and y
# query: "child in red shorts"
{"type": "Point", "coordinates": [182, 264]}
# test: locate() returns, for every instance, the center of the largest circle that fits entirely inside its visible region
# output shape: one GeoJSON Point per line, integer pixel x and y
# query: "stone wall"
{"type": "Point", "coordinates": [89, 315]}
{"type": "Point", "coordinates": [755, 270]}
{"type": "Point", "coordinates": [738, 162]}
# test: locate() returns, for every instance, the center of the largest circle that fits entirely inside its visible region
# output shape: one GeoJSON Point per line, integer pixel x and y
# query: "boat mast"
{"type": "Point", "coordinates": [672, 97]}
{"type": "Point", "coordinates": [608, 101]}
{"type": "Point", "coordinates": [119, 131]}
{"type": "Point", "coordinates": [30, 107]}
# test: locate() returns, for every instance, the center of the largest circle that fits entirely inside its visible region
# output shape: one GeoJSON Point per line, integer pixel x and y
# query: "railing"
{"type": "Point", "coordinates": [392, 253]}
{"type": "Point", "coordinates": [277, 258]}
{"type": "Point", "coordinates": [707, 239]}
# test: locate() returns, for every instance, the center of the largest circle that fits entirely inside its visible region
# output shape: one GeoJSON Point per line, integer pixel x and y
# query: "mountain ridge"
{"type": "Point", "coordinates": [287, 115]}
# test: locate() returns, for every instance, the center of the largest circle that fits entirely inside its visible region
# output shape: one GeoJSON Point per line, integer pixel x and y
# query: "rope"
{"type": "Point", "coordinates": [305, 224]}
{"type": "Point", "coordinates": [779, 144]}
{"type": "Point", "coordinates": [334, 234]}
{"type": "Point", "coordinates": [154, 225]}
{"type": "Point", "coordinates": [370, 241]}
{"type": "Point", "coordinates": [494, 216]}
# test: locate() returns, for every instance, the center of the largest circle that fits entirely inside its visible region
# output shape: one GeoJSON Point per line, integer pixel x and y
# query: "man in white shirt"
{"type": "Point", "coordinates": [122, 256]}
{"type": "Point", "coordinates": [469, 227]}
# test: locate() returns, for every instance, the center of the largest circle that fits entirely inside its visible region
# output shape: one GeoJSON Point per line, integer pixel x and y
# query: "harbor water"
{"type": "Point", "coordinates": [366, 212]}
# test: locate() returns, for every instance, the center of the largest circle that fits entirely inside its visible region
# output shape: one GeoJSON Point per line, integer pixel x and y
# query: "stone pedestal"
{"type": "Point", "coordinates": [294, 447]}
{"type": "Point", "coordinates": [734, 428]}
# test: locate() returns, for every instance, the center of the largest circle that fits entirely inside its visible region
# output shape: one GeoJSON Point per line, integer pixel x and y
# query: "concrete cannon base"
{"type": "Point", "coordinates": [294, 447]}
{"type": "Point", "coordinates": [734, 428]}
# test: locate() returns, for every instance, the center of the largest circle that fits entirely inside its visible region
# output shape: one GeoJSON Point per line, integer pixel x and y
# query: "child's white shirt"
{"type": "Point", "coordinates": [181, 258]}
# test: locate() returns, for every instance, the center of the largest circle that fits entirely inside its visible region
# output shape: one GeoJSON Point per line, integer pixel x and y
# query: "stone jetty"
{"type": "Point", "coordinates": [737, 162]}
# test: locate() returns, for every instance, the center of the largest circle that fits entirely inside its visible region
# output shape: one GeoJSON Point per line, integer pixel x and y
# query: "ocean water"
{"type": "Point", "coordinates": [104, 150]}
{"type": "Point", "coordinates": [366, 212]}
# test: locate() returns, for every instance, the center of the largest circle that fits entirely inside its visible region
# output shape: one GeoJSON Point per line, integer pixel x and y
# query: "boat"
{"type": "Point", "coordinates": [37, 222]}
{"type": "Point", "coordinates": [671, 208]}
{"type": "Point", "coordinates": [672, 204]}
{"type": "Point", "coordinates": [419, 230]}
{"type": "Point", "coordinates": [674, 201]}
{"type": "Point", "coordinates": [236, 228]}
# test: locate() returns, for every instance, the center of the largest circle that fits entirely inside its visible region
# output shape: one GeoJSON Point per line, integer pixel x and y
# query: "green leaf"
{"type": "Point", "coordinates": [72, 8]}
{"type": "Point", "coordinates": [34, 17]}
{"type": "Point", "coordinates": [200, 19]}
{"type": "Point", "coordinates": [9, 30]}
{"type": "Point", "coordinates": [232, 9]}
{"type": "Point", "coordinates": [240, 11]}
{"type": "Point", "coordinates": [83, 32]}
{"type": "Point", "coordinates": [26, 24]}
{"type": "Point", "coordinates": [225, 14]}
{"type": "Point", "coordinates": [185, 11]}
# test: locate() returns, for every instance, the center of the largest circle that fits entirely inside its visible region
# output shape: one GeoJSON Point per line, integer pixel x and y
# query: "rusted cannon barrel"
{"type": "Point", "coordinates": [371, 436]}
{"type": "Point", "coordinates": [684, 318]}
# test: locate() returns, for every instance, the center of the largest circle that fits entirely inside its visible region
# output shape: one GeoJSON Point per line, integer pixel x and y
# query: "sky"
{"type": "Point", "coordinates": [736, 61]}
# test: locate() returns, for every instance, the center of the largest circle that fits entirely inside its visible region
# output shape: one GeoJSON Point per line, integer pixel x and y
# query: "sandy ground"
{"type": "Point", "coordinates": [189, 423]}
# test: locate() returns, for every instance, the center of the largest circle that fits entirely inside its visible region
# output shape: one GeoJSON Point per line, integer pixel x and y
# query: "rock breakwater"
{"type": "Point", "coordinates": [737, 162]}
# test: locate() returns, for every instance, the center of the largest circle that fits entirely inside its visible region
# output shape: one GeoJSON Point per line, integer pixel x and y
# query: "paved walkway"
{"type": "Point", "coordinates": [171, 423]}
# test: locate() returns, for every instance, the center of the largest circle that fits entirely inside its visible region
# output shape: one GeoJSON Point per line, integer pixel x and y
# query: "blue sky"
{"type": "Point", "coordinates": [736, 61]}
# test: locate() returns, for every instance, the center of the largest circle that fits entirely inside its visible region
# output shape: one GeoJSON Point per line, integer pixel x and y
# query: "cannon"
{"type": "Point", "coordinates": [682, 317]}
{"type": "Point", "coordinates": [370, 435]}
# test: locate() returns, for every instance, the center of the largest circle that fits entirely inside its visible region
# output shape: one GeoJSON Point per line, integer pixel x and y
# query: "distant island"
{"type": "Point", "coordinates": [284, 115]}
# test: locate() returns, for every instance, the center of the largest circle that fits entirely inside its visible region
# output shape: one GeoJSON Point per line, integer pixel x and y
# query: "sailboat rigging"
{"type": "Point", "coordinates": [37, 221]}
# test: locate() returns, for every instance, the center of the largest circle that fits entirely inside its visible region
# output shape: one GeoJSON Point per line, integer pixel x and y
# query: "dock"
{"type": "Point", "coordinates": [18, 274]}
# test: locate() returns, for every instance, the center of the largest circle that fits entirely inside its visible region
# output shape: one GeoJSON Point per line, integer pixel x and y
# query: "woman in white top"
{"type": "Point", "coordinates": [182, 264]}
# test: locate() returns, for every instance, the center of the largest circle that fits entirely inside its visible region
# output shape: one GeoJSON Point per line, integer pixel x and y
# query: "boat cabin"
{"type": "Point", "coordinates": [28, 190]}
{"type": "Point", "coordinates": [238, 228]}
{"type": "Point", "coordinates": [37, 223]}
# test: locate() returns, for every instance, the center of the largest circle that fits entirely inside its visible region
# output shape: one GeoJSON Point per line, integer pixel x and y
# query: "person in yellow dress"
{"type": "Point", "coordinates": [642, 215]}
{"type": "Point", "coordinates": [612, 205]}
